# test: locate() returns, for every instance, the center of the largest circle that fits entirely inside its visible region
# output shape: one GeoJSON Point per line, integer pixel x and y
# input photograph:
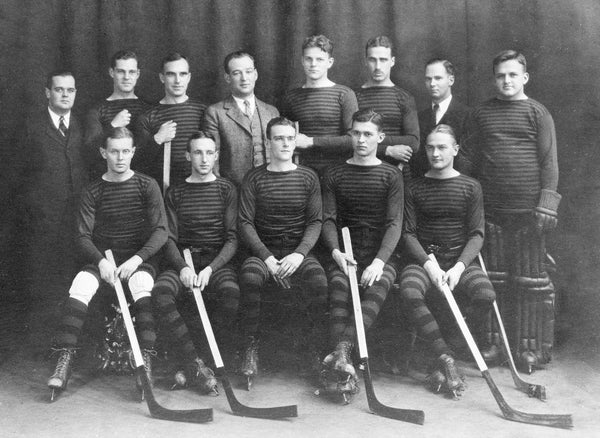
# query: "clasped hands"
{"type": "Point", "coordinates": [370, 275]}
{"type": "Point", "coordinates": [438, 277]}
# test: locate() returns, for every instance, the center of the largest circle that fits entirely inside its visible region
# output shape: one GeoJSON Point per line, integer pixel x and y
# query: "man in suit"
{"type": "Point", "coordinates": [444, 109]}
{"type": "Point", "coordinates": [238, 124]}
{"type": "Point", "coordinates": [53, 175]}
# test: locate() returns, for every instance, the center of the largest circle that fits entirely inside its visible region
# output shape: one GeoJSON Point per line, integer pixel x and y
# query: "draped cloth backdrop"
{"type": "Point", "coordinates": [560, 39]}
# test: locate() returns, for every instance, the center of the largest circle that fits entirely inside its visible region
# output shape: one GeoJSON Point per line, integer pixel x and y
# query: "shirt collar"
{"type": "Point", "coordinates": [240, 102]}
{"type": "Point", "coordinates": [56, 118]}
{"type": "Point", "coordinates": [443, 105]}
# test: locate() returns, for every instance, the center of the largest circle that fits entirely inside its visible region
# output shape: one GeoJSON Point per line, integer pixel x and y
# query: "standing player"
{"type": "Point", "coordinates": [210, 234]}
{"type": "Point", "coordinates": [443, 216]}
{"type": "Point", "coordinates": [120, 109]}
{"type": "Point", "coordinates": [511, 149]}
{"type": "Point", "coordinates": [444, 108]}
{"type": "Point", "coordinates": [173, 120]}
{"type": "Point", "coordinates": [395, 104]}
{"type": "Point", "coordinates": [239, 123]}
{"type": "Point", "coordinates": [322, 108]}
{"type": "Point", "coordinates": [122, 211]}
{"type": "Point", "coordinates": [367, 196]}
{"type": "Point", "coordinates": [280, 222]}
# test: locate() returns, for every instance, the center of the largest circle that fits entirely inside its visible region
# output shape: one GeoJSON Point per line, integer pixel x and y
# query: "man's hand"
{"type": "Point", "coordinates": [187, 277]}
{"type": "Point", "coordinates": [435, 273]}
{"type": "Point", "coordinates": [289, 264]}
{"type": "Point", "coordinates": [399, 152]}
{"type": "Point", "coordinates": [342, 259]}
{"type": "Point", "coordinates": [303, 141]}
{"type": "Point", "coordinates": [108, 271]}
{"type": "Point", "coordinates": [273, 265]}
{"type": "Point", "coordinates": [166, 132]}
{"type": "Point", "coordinates": [372, 273]}
{"type": "Point", "coordinates": [203, 278]}
{"type": "Point", "coordinates": [129, 267]}
{"type": "Point", "coordinates": [544, 221]}
{"type": "Point", "coordinates": [452, 275]}
{"type": "Point", "coordinates": [122, 119]}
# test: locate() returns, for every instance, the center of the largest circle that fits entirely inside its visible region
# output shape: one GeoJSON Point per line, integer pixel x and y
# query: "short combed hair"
{"type": "Point", "coordinates": [379, 41]}
{"type": "Point", "coordinates": [509, 55]}
{"type": "Point", "coordinates": [320, 42]}
{"type": "Point", "coordinates": [443, 129]}
{"type": "Point", "coordinates": [122, 54]}
{"type": "Point", "coordinates": [235, 55]}
{"type": "Point", "coordinates": [450, 69]}
{"type": "Point", "coordinates": [198, 135]}
{"type": "Point", "coordinates": [54, 73]}
{"type": "Point", "coordinates": [114, 133]}
{"type": "Point", "coordinates": [368, 115]}
{"type": "Point", "coordinates": [279, 121]}
{"type": "Point", "coordinates": [173, 56]}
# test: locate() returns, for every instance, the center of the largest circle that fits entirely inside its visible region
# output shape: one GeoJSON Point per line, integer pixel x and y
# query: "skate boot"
{"type": "Point", "coordinates": [250, 363]}
{"type": "Point", "coordinates": [58, 381]}
{"type": "Point", "coordinates": [197, 374]}
{"type": "Point", "coordinates": [490, 354]}
{"type": "Point", "coordinates": [454, 383]}
{"type": "Point", "coordinates": [338, 375]}
{"type": "Point", "coordinates": [147, 356]}
{"type": "Point", "coordinates": [436, 380]}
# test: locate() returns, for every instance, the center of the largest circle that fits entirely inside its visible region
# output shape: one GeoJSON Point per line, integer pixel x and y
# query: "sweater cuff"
{"type": "Point", "coordinates": [548, 203]}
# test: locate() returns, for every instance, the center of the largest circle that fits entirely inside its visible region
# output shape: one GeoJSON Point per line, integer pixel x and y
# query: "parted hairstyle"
{"type": "Point", "coordinates": [197, 135]}
{"type": "Point", "coordinates": [279, 121]}
{"type": "Point", "coordinates": [114, 133]}
{"type": "Point", "coordinates": [509, 55]}
{"type": "Point", "coordinates": [173, 56]}
{"type": "Point", "coordinates": [122, 54]}
{"type": "Point", "coordinates": [368, 115]}
{"type": "Point", "coordinates": [320, 42]}
{"type": "Point", "coordinates": [54, 73]}
{"type": "Point", "coordinates": [450, 69]}
{"type": "Point", "coordinates": [443, 129]}
{"type": "Point", "coordinates": [379, 41]}
{"type": "Point", "coordinates": [235, 55]}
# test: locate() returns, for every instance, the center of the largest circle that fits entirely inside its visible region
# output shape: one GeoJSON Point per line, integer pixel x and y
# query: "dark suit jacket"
{"type": "Point", "coordinates": [456, 116]}
{"type": "Point", "coordinates": [231, 130]}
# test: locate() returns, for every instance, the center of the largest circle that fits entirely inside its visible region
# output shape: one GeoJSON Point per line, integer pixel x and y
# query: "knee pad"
{"type": "Point", "coordinates": [84, 287]}
{"type": "Point", "coordinates": [140, 285]}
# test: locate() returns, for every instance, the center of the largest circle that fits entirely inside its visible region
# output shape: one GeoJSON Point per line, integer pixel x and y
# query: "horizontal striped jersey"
{"type": "Point", "coordinates": [188, 116]}
{"type": "Point", "coordinates": [510, 147]}
{"type": "Point", "coordinates": [367, 198]}
{"type": "Point", "coordinates": [444, 212]}
{"type": "Point", "coordinates": [326, 115]}
{"type": "Point", "coordinates": [280, 209]}
{"type": "Point", "coordinates": [127, 217]}
{"type": "Point", "coordinates": [202, 215]}
{"type": "Point", "coordinates": [397, 106]}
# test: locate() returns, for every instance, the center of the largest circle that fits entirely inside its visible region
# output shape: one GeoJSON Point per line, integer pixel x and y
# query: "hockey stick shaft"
{"type": "Point", "coordinates": [236, 407]}
{"type": "Point", "coordinates": [531, 389]}
{"type": "Point", "coordinates": [157, 411]}
{"type": "Point", "coordinates": [166, 166]}
{"type": "Point", "coordinates": [552, 420]}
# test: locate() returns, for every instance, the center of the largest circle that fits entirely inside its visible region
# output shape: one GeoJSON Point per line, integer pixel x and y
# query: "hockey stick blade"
{"type": "Point", "coordinates": [156, 410]}
{"type": "Point", "coordinates": [236, 407]}
{"type": "Point", "coordinates": [407, 415]}
{"type": "Point", "coordinates": [531, 389]}
{"type": "Point", "coordinates": [552, 420]}
{"type": "Point", "coordinates": [378, 408]}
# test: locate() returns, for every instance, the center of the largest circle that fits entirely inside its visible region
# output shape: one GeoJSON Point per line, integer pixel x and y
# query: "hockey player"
{"type": "Point", "coordinates": [210, 234]}
{"type": "Point", "coordinates": [367, 196]}
{"type": "Point", "coordinates": [511, 149]}
{"type": "Point", "coordinates": [444, 216]}
{"type": "Point", "coordinates": [122, 211]}
{"type": "Point", "coordinates": [280, 222]}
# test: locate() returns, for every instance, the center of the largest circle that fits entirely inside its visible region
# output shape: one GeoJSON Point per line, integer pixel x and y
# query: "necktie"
{"type": "Point", "coordinates": [61, 126]}
{"type": "Point", "coordinates": [436, 107]}
{"type": "Point", "coordinates": [247, 110]}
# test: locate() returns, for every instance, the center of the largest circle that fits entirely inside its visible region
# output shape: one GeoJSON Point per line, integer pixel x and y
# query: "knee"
{"type": "Point", "coordinates": [140, 285]}
{"type": "Point", "coordinates": [84, 287]}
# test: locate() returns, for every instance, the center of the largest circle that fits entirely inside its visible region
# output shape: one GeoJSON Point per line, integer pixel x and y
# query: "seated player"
{"type": "Point", "coordinates": [122, 211]}
{"type": "Point", "coordinates": [366, 195]}
{"type": "Point", "coordinates": [280, 222]}
{"type": "Point", "coordinates": [210, 234]}
{"type": "Point", "coordinates": [443, 216]}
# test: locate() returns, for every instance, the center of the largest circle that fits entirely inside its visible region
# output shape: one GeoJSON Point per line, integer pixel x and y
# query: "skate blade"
{"type": "Point", "coordinates": [54, 394]}
{"type": "Point", "coordinates": [249, 383]}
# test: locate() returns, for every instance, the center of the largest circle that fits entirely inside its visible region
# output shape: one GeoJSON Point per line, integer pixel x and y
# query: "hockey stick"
{"type": "Point", "coordinates": [236, 407]}
{"type": "Point", "coordinates": [553, 420]}
{"type": "Point", "coordinates": [156, 410]}
{"type": "Point", "coordinates": [531, 389]}
{"type": "Point", "coordinates": [166, 166]}
{"type": "Point", "coordinates": [408, 415]}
